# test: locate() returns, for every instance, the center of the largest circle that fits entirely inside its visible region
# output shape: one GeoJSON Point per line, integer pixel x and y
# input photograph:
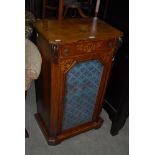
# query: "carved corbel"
{"type": "Point", "coordinates": [55, 49]}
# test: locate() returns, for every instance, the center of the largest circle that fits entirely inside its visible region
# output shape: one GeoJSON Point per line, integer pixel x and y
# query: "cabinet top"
{"type": "Point", "coordinates": [72, 30]}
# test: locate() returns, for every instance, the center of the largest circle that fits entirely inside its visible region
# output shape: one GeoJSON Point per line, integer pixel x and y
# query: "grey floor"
{"type": "Point", "coordinates": [94, 142]}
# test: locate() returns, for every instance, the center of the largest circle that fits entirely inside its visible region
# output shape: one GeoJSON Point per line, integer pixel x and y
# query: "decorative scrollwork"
{"type": "Point", "coordinates": [89, 46]}
{"type": "Point", "coordinates": [66, 64]}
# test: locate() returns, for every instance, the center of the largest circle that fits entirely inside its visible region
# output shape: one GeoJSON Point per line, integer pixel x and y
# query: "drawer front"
{"type": "Point", "coordinates": [83, 47]}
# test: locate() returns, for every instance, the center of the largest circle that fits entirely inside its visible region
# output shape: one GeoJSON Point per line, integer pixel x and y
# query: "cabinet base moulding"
{"type": "Point", "coordinates": [68, 133]}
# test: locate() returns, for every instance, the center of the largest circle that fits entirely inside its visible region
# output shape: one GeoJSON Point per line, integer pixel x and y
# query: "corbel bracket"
{"type": "Point", "coordinates": [55, 49]}
{"type": "Point", "coordinates": [119, 43]}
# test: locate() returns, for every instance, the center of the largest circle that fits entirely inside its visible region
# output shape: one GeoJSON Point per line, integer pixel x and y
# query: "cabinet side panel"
{"type": "Point", "coordinates": [43, 83]}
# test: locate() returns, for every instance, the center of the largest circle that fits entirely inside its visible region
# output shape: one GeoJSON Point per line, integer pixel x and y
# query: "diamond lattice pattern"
{"type": "Point", "coordinates": [82, 84]}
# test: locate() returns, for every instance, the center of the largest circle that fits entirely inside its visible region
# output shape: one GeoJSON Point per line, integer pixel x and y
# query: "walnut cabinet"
{"type": "Point", "coordinates": [77, 56]}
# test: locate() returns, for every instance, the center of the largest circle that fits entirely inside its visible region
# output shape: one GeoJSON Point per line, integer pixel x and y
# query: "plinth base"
{"type": "Point", "coordinates": [68, 133]}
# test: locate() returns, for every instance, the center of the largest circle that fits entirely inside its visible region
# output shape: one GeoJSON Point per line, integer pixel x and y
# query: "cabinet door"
{"type": "Point", "coordinates": [82, 88]}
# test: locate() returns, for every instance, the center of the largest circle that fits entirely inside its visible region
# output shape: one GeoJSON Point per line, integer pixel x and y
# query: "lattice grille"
{"type": "Point", "coordinates": [82, 84]}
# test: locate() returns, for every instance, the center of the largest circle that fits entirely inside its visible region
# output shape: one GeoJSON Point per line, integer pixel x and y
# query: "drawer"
{"type": "Point", "coordinates": [83, 47]}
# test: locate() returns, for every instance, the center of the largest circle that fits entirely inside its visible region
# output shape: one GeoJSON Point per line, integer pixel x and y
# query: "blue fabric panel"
{"type": "Point", "coordinates": [82, 84]}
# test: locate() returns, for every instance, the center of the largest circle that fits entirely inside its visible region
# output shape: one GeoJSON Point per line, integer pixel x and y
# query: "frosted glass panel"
{"type": "Point", "coordinates": [82, 84]}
